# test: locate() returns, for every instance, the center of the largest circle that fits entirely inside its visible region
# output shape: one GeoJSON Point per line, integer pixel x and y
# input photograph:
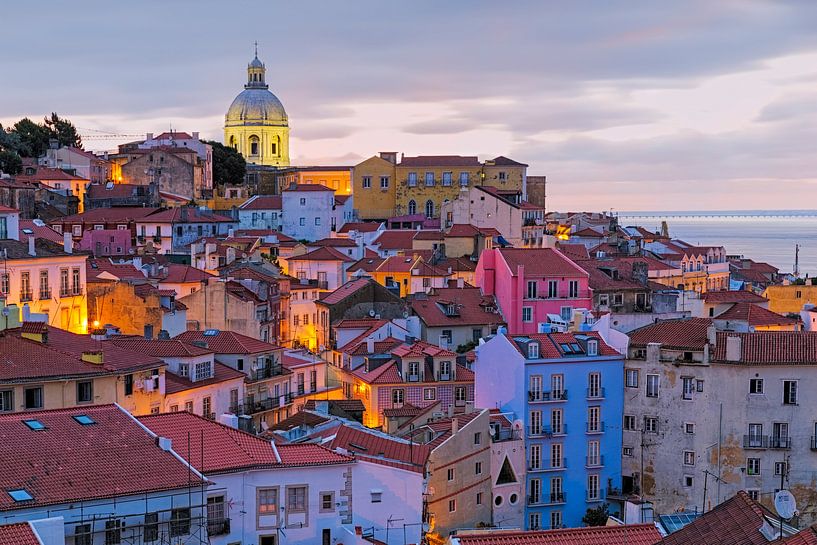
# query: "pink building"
{"type": "Point", "coordinates": [107, 242]}
{"type": "Point", "coordinates": [532, 283]}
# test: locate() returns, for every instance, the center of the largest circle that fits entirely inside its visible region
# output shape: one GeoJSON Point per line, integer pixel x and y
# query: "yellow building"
{"type": "Point", "coordinates": [256, 124]}
{"type": "Point", "coordinates": [419, 185]}
{"type": "Point", "coordinates": [790, 299]}
{"type": "Point", "coordinates": [338, 178]}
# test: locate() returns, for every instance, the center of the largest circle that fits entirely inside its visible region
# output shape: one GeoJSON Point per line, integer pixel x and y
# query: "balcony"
{"type": "Point", "coordinates": [253, 406]}
{"type": "Point", "coordinates": [535, 396]}
{"type": "Point", "coordinates": [547, 431]}
{"type": "Point", "coordinates": [45, 295]}
{"type": "Point", "coordinates": [65, 292]}
{"type": "Point", "coordinates": [552, 498]}
{"type": "Point", "coordinates": [594, 427]}
{"type": "Point", "coordinates": [266, 372]}
{"type": "Point", "coordinates": [618, 493]}
{"type": "Point", "coordinates": [218, 527]}
{"type": "Point", "coordinates": [323, 284]}
{"type": "Point", "coordinates": [26, 296]}
{"type": "Point", "coordinates": [778, 442]}
{"type": "Point", "coordinates": [301, 390]}
{"type": "Point", "coordinates": [594, 461]}
{"type": "Point", "coordinates": [596, 393]}
{"type": "Point", "coordinates": [76, 290]}
{"type": "Point", "coordinates": [209, 416]}
{"type": "Point", "coordinates": [756, 441]}
{"type": "Point", "coordinates": [594, 496]}
{"type": "Point", "coordinates": [813, 443]}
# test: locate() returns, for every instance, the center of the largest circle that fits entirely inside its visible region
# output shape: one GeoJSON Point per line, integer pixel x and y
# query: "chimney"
{"type": "Point", "coordinates": [711, 335]}
{"type": "Point", "coordinates": [370, 345]}
{"type": "Point", "coordinates": [653, 352]}
{"type": "Point", "coordinates": [31, 250]}
{"type": "Point", "coordinates": [734, 348]}
{"type": "Point", "coordinates": [195, 136]}
{"type": "Point", "coordinates": [149, 136]}
{"type": "Point", "coordinates": [67, 243]}
{"type": "Point", "coordinates": [230, 233]}
{"type": "Point", "coordinates": [460, 282]}
{"type": "Point", "coordinates": [455, 426]}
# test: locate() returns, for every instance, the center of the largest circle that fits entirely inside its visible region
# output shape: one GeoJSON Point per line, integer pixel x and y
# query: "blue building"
{"type": "Point", "coordinates": [567, 391]}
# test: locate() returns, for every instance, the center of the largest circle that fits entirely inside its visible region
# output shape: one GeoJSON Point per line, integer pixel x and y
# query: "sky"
{"type": "Point", "coordinates": [636, 105]}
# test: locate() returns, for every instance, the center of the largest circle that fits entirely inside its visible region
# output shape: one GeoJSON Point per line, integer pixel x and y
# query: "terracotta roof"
{"type": "Point", "coordinates": [346, 290]}
{"type": "Point", "coordinates": [263, 202]}
{"type": "Point", "coordinates": [165, 348]}
{"type": "Point", "coordinates": [349, 405]}
{"type": "Point", "coordinates": [608, 274]}
{"type": "Point", "coordinates": [540, 262]}
{"type": "Point", "coordinates": [470, 307]}
{"type": "Point", "coordinates": [379, 448]}
{"type": "Point", "coordinates": [468, 230]}
{"type": "Point", "coordinates": [48, 174]}
{"type": "Point", "coordinates": [122, 271]}
{"type": "Point", "coordinates": [361, 347]}
{"type": "Point", "coordinates": [173, 135]}
{"type": "Point", "coordinates": [550, 344]}
{"type": "Point", "coordinates": [359, 323]}
{"type": "Point", "coordinates": [38, 230]}
{"type": "Point", "coordinates": [112, 191]}
{"type": "Point", "coordinates": [176, 273]}
{"type": "Point", "coordinates": [21, 533]}
{"type": "Point", "coordinates": [310, 454]}
{"type": "Point", "coordinates": [221, 373]}
{"type": "Point", "coordinates": [440, 161]}
{"type": "Point", "coordinates": [18, 249]}
{"type": "Point", "coordinates": [395, 239]}
{"type": "Point", "coordinates": [754, 315]}
{"type": "Point", "coordinates": [442, 428]}
{"type": "Point", "coordinates": [686, 334]}
{"type": "Point", "coordinates": [368, 264]}
{"type": "Point", "coordinates": [308, 187]}
{"type": "Point", "coordinates": [52, 465]}
{"type": "Point", "coordinates": [359, 226]}
{"type": "Point", "coordinates": [770, 347]}
{"type": "Point", "coordinates": [587, 232]}
{"type": "Point", "coordinates": [734, 296]}
{"type": "Point", "coordinates": [503, 161]}
{"type": "Point", "coordinates": [227, 342]}
{"type": "Point", "coordinates": [114, 214]}
{"type": "Point", "coordinates": [324, 253]}
{"type": "Point", "coordinates": [185, 214]}
{"type": "Point", "coordinates": [301, 418]}
{"type": "Point", "coordinates": [631, 534]}
{"type": "Point", "coordinates": [737, 521]}
{"type": "Point", "coordinates": [422, 348]}
{"type": "Point", "coordinates": [574, 251]}
{"type": "Point", "coordinates": [334, 242]}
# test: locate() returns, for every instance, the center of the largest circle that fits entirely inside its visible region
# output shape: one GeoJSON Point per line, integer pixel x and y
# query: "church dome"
{"type": "Point", "coordinates": [256, 105]}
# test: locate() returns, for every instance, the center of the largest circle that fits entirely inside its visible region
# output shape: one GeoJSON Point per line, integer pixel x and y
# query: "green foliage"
{"type": "Point", "coordinates": [596, 516]}
{"type": "Point", "coordinates": [29, 139]}
{"type": "Point", "coordinates": [33, 138]}
{"type": "Point", "coordinates": [463, 348]}
{"type": "Point", "coordinates": [229, 166]}
{"type": "Point", "coordinates": [63, 130]}
{"type": "Point", "coordinates": [10, 162]}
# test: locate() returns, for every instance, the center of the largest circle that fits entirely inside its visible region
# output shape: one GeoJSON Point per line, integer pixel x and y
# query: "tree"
{"type": "Point", "coordinates": [10, 162]}
{"type": "Point", "coordinates": [596, 516]}
{"type": "Point", "coordinates": [63, 130]}
{"type": "Point", "coordinates": [33, 138]}
{"type": "Point", "coordinates": [229, 166]}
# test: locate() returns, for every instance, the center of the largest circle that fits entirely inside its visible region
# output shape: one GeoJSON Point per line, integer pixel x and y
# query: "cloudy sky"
{"type": "Point", "coordinates": [644, 106]}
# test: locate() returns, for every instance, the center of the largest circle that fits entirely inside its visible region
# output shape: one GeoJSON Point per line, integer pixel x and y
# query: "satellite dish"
{"type": "Point", "coordinates": [372, 313]}
{"type": "Point", "coordinates": [785, 504]}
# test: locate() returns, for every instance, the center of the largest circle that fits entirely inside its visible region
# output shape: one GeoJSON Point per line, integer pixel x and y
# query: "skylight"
{"type": "Point", "coordinates": [35, 425]}
{"type": "Point", "coordinates": [211, 332]}
{"type": "Point", "coordinates": [27, 231]}
{"type": "Point", "coordinates": [84, 419]}
{"type": "Point", "coordinates": [566, 348]}
{"type": "Point", "coordinates": [20, 495]}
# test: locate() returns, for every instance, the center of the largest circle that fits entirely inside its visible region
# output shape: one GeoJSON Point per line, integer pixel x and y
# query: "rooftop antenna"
{"type": "Point", "coordinates": [256, 48]}
{"type": "Point", "coordinates": [797, 261]}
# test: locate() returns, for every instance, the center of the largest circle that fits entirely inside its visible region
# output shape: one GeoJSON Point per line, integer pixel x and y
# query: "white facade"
{"type": "Point", "coordinates": [307, 214]}
{"type": "Point", "coordinates": [330, 274]}
{"type": "Point", "coordinates": [343, 212]}
{"type": "Point", "coordinates": [251, 217]}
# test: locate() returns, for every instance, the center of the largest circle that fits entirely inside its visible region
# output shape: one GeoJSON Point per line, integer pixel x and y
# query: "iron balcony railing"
{"type": "Point", "coordinates": [594, 461]}
{"type": "Point", "coordinates": [596, 393]}
{"type": "Point", "coordinates": [755, 441]}
{"type": "Point", "coordinates": [535, 431]}
{"type": "Point", "coordinates": [594, 427]}
{"type": "Point", "coordinates": [779, 442]}
{"type": "Point", "coordinates": [536, 396]}
{"type": "Point", "coordinates": [218, 527]}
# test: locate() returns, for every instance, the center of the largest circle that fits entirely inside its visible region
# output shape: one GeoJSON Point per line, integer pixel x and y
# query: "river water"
{"type": "Point", "coordinates": [768, 236]}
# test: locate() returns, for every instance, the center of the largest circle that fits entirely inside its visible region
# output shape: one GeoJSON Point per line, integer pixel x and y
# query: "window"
{"type": "Point", "coordinates": [317, 221]}
{"type": "Point", "coordinates": [555, 519]}
{"type": "Point", "coordinates": [631, 378]}
{"type": "Point", "coordinates": [83, 535]}
{"type": "Point", "coordinates": [447, 177]}
{"type": "Point", "coordinates": [64, 288]}
{"type": "Point", "coordinates": [429, 209]}
{"type": "Point", "coordinates": [296, 499]}
{"type": "Point", "coordinates": [594, 385]}
{"type": "Point", "coordinates": [627, 451]}
{"type": "Point", "coordinates": [179, 522]}
{"type": "Point", "coordinates": [412, 180]}
{"type": "Point", "coordinates": [85, 391]}
{"type": "Point", "coordinates": [592, 347]}
{"type": "Point", "coordinates": [113, 532]}
{"type": "Point", "coordinates": [553, 291]}
{"type": "Point", "coordinates": [429, 394]}
{"type": "Point", "coordinates": [188, 406]}
{"type": "Point", "coordinates": [699, 385]}
{"type": "Point", "coordinates": [429, 179]}
{"type": "Point", "coordinates": [478, 468]}
{"type": "Point", "coordinates": [753, 493]}
{"type": "Point", "coordinates": [207, 407]}
{"type": "Point", "coordinates": [533, 350]}
{"type": "Point", "coordinates": [463, 179]}
{"type": "Point", "coordinates": [753, 466]}
{"type": "Point", "coordinates": [459, 394]}
{"type": "Point", "coordinates": [688, 480]}
{"type": "Point", "coordinates": [75, 287]}
{"type": "Point", "coordinates": [534, 521]}
{"type": "Point", "coordinates": [203, 370]}
{"type": "Point", "coordinates": [479, 498]}
{"type": "Point", "coordinates": [789, 392]}
{"type": "Point", "coordinates": [688, 387]}
{"type": "Point", "coordinates": [556, 421]}
{"type": "Point", "coordinates": [594, 419]}
{"type": "Point", "coordinates": [397, 397]}
{"type": "Point", "coordinates": [573, 289]}
{"type": "Point", "coordinates": [4, 283]}
{"type": "Point", "coordinates": [478, 438]}
{"type": "Point", "coordinates": [593, 492]}
{"type": "Point", "coordinates": [302, 222]}
{"type": "Point", "coordinates": [450, 474]}
{"type": "Point", "coordinates": [384, 182]}
{"type": "Point", "coordinates": [651, 424]}
{"type": "Point", "coordinates": [6, 400]}
{"type": "Point", "coordinates": [689, 458]}
{"type": "Point", "coordinates": [556, 455]}
{"type": "Point", "coordinates": [367, 182]}
{"type": "Point", "coordinates": [268, 501]}
{"type": "Point", "coordinates": [779, 468]}
{"type": "Point", "coordinates": [327, 501]}
{"type": "Point", "coordinates": [527, 314]}
{"type": "Point", "coordinates": [377, 496]}
{"type": "Point", "coordinates": [25, 286]}
{"type": "Point", "coordinates": [593, 453]}
{"type": "Point", "coordinates": [531, 289]}
{"type": "Point", "coordinates": [452, 506]}
{"type": "Point", "coordinates": [412, 207]}
{"type": "Point", "coordinates": [689, 428]}
{"type": "Point", "coordinates": [652, 385]}
{"type": "Point", "coordinates": [629, 422]}
{"type": "Point", "coordinates": [34, 397]}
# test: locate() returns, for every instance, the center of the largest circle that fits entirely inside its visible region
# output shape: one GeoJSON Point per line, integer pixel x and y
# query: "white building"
{"type": "Point", "coordinates": [158, 497]}
{"type": "Point", "coordinates": [343, 211]}
{"type": "Point", "coordinates": [174, 229]}
{"type": "Point", "coordinates": [261, 212]}
{"type": "Point", "coordinates": [308, 211]}
{"type": "Point", "coordinates": [326, 265]}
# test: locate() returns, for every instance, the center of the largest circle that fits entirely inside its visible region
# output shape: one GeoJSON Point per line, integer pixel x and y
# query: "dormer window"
{"type": "Point", "coordinates": [592, 347]}
{"type": "Point", "coordinates": [533, 350]}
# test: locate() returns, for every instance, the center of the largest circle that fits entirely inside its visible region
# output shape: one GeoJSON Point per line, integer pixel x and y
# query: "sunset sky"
{"type": "Point", "coordinates": [651, 105]}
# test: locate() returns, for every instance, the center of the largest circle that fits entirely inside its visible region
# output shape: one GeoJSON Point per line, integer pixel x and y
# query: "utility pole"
{"type": "Point", "coordinates": [783, 475]}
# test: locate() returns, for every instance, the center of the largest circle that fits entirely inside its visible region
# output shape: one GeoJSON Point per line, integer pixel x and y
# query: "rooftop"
{"type": "Point", "coordinates": [735, 296]}
{"type": "Point", "coordinates": [755, 316]}
{"type": "Point", "coordinates": [769, 348]}
{"type": "Point", "coordinates": [540, 262]}
{"type": "Point", "coordinates": [631, 534]}
{"type": "Point", "coordinates": [227, 342]}
{"type": "Point", "coordinates": [685, 334]}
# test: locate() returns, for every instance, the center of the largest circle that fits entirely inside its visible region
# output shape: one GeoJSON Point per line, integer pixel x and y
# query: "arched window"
{"type": "Point", "coordinates": [254, 145]}
{"type": "Point", "coordinates": [412, 207]}
{"type": "Point", "coordinates": [429, 208]}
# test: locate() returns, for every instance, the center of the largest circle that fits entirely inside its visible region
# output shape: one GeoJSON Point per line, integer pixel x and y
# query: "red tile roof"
{"type": "Point", "coordinates": [346, 290]}
{"type": "Point", "coordinates": [631, 534]}
{"type": "Point", "coordinates": [770, 347]}
{"type": "Point", "coordinates": [540, 262]}
{"type": "Point", "coordinates": [734, 296]}
{"type": "Point", "coordinates": [379, 448]}
{"type": "Point", "coordinates": [310, 454]}
{"type": "Point", "coordinates": [550, 343]}
{"type": "Point", "coordinates": [112, 215]}
{"type": "Point", "coordinates": [48, 174]}
{"type": "Point", "coordinates": [422, 348]}
{"type": "Point", "coordinates": [185, 214]}
{"type": "Point", "coordinates": [176, 273]}
{"type": "Point", "coordinates": [686, 334]}
{"type": "Point", "coordinates": [263, 202]}
{"type": "Point", "coordinates": [38, 230]}
{"type": "Point", "coordinates": [221, 373]}
{"type": "Point", "coordinates": [165, 348]}
{"type": "Point", "coordinates": [123, 271]}
{"type": "Point", "coordinates": [440, 161]}
{"type": "Point", "coordinates": [361, 347]}
{"type": "Point", "coordinates": [54, 465]}
{"type": "Point", "coordinates": [308, 187]}
{"type": "Point", "coordinates": [470, 306]}
{"type": "Point", "coordinates": [173, 135]}
{"type": "Point", "coordinates": [737, 521]}
{"type": "Point", "coordinates": [360, 227]}
{"type": "Point", "coordinates": [574, 251]}
{"type": "Point", "coordinates": [111, 191]}
{"type": "Point", "coordinates": [467, 230]}
{"type": "Point", "coordinates": [395, 239]}
{"type": "Point", "coordinates": [20, 533]}
{"type": "Point", "coordinates": [324, 253]}
{"type": "Point", "coordinates": [301, 418]}
{"type": "Point", "coordinates": [334, 242]}
{"type": "Point", "coordinates": [228, 342]}
{"type": "Point", "coordinates": [503, 161]}
{"type": "Point", "coordinates": [755, 316]}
